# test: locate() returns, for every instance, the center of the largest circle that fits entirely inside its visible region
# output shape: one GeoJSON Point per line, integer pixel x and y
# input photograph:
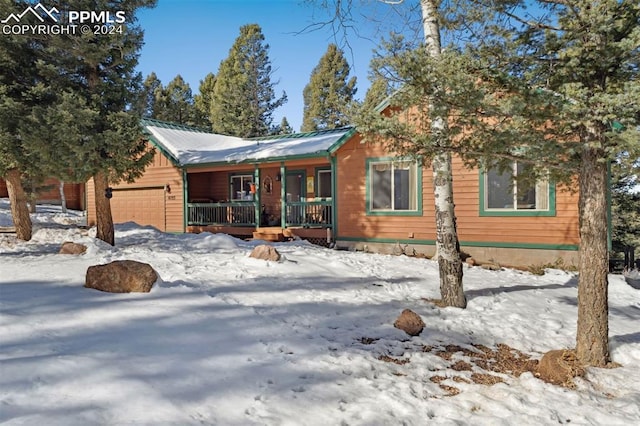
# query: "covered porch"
{"type": "Point", "coordinates": [263, 200]}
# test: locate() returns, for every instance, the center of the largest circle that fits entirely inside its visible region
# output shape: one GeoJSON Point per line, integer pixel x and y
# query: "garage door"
{"type": "Point", "coordinates": [142, 206]}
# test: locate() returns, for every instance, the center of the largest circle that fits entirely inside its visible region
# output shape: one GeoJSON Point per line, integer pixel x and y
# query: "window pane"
{"type": "Point", "coordinates": [401, 189]}
{"type": "Point", "coordinates": [542, 195]}
{"type": "Point", "coordinates": [324, 184]}
{"type": "Point", "coordinates": [499, 190]}
{"type": "Point", "coordinates": [241, 187]}
{"type": "Point", "coordinates": [380, 186]}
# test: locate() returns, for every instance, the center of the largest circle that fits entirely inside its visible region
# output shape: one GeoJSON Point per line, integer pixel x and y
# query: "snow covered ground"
{"type": "Point", "coordinates": [224, 339]}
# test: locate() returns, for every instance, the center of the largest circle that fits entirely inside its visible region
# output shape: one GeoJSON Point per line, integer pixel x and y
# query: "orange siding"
{"type": "Point", "coordinates": [353, 221]}
{"type": "Point", "coordinates": [161, 173]}
{"type": "Point", "coordinates": [73, 193]}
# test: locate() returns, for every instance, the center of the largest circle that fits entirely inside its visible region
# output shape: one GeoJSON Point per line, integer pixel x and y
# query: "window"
{"type": "Point", "coordinates": [502, 194]}
{"type": "Point", "coordinates": [393, 186]}
{"type": "Point", "coordinates": [323, 189]}
{"type": "Point", "coordinates": [241, 188]}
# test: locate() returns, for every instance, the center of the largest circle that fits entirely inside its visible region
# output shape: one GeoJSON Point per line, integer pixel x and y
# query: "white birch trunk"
{"type": "Point", "coordinates": [447, 245]}
{"type": "Point", "coordinates": [63, 200]}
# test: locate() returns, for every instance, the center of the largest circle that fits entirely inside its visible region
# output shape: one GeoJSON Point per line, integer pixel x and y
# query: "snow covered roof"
{"type": "Point", "coordinates": [190, 146]}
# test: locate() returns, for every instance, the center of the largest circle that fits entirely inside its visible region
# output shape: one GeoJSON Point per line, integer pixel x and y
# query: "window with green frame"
{"type": "Point", "coordinates": [393, 186]}
{"type": "Point", "coordinates": [501, 194]}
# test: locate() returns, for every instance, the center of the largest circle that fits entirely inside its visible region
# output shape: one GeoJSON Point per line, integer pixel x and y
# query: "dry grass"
{"type": "Point", "coordinates": [487, 366]}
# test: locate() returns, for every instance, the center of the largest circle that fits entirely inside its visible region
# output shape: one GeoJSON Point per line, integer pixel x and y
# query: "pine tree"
{"type": "Point", "coordinates": [175, 103]}
{"type": "Point", "coordinates": [19, 92]}
{"type": "Point", "coordinates": [376, 94]}
{"type": "Point", "coordinates": [151, 91]}
{"type": "Point", "coordinates": [99, 73]}
{"type": "Point", "coordinates": [329, 93]}
{"type": "Point", "coordinates": [285, 127]}
{"type": "Point", "coordinates": [202, 100]}
{"type": "Point", "coordinates": [243, 100]}
{"type": "Point", "coordinates": [577, 67]}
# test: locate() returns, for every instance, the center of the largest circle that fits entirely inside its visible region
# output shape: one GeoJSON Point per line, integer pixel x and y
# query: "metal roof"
{"type": "Point", "coordinates": [192, 146]}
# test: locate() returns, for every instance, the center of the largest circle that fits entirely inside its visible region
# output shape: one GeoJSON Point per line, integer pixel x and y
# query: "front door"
{"type": "Point", "coordinates": [295, 193]}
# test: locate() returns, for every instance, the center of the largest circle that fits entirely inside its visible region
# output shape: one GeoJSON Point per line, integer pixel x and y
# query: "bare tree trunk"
{"type": "Point", "coordinates": [104, 221]}
{"type": "Point", "coordinates": [19, 208]}
{"type": "Point", "coordinates": [447, 244]}
{"type": "Point", "coordinates": [63, 200]}
{"type": "Point", "coordinates": [592, 340]}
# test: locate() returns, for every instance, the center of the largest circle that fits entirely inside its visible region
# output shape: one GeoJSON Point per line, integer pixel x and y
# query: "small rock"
{"type": "Point", "coordinates": [409, 322]}
{"type": "Point", "coordinates": [265, 252]}
{"type": "Point", "coordinates": [69, 247]}
{"type": "Point", "coordinates": [121, 276]}
{"type": "Point", "coordinates": [471, 261]}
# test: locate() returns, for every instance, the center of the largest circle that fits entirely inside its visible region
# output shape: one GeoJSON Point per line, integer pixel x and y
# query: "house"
{"type": "Point", "coordinates": [49, 193]}
{"type": "Point", "coordinates": [200, 181]}
{"type": "Point", "coordinates": [333, 186]}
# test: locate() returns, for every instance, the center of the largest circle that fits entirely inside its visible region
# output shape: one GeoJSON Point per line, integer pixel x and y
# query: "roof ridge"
{"type": "Point", "coordinates": [301, 135]}
{"type": "Point", "coordinates": [146, 121]}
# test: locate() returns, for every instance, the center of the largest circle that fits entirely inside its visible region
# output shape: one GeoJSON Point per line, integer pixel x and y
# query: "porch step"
{"type": "Point", "coordinates": [269, 234]}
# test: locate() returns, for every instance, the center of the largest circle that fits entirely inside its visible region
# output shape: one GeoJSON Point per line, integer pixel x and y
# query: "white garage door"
{"type": "Point", "coordinates": [142, 206]}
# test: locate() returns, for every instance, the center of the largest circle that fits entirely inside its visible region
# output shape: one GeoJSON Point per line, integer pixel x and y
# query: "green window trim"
{"type": "Point", "coordinates": [485, 212]}
{"type": "Point", "coordinates": [371, 212]}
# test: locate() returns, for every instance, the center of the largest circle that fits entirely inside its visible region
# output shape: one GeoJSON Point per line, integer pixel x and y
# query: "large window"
{"type": "Point", "coordinates": [241, 187]}
{"type": "Point", "coordinates": [502, 193]}
{"type": "Point", "coordinates": [393, 186]}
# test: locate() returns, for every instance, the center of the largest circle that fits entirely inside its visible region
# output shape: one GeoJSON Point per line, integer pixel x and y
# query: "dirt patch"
{"type": "Point", "coordinates": [387, 358]}
{"type": "Point", "coordinates": [487, 366]}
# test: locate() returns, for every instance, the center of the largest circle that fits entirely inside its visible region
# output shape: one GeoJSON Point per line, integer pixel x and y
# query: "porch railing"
{"type": "Point", "coordinates": [229, 214]}
{"type": "Point", "coordinates": [309, 213]}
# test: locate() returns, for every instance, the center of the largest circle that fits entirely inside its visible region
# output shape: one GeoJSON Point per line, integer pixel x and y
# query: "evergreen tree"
{"type": "Point", "coordinates": [285, 127]}
{"type": "Point", "coordinates": [577, 66]}
{"type": "Point", "coordinates": [329, 93]}
{"type": "Point", "coordinates": [376, 94]}
{"type": "Point", "coordinates": [175, 103]}
{"type": "Point", "coordinates": [20, 90]}
{"type": "Point", "coordinates": [202, 100]}
{"type": "Point", "coordinates": [243, 99]}
{"type": "Point", "coordinates": [151, 91]}
{"type": "Point", "coordinates": [98, 71]}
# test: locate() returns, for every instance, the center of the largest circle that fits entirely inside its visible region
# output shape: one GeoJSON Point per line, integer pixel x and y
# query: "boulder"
{"type": "Point", "coordinates": [559, 367]}
{"type": "Point", "coordinates": [409, 322]}
{"type": "Point", "coordinates": [72, 248]}
{"type": "Point", "coordinates": [121, 276]}
{"type": "Point", "coordinates": [265, 252]}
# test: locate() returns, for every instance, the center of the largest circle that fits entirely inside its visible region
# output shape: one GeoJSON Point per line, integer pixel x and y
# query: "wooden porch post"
{"type": "Point", "coordinates": [257, 206]}
{"type": "Point", "coordinates": [283, 195]}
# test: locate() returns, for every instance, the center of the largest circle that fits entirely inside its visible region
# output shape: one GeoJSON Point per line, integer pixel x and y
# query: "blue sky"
{"type": "Point", "coordinates": [191, 37]}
